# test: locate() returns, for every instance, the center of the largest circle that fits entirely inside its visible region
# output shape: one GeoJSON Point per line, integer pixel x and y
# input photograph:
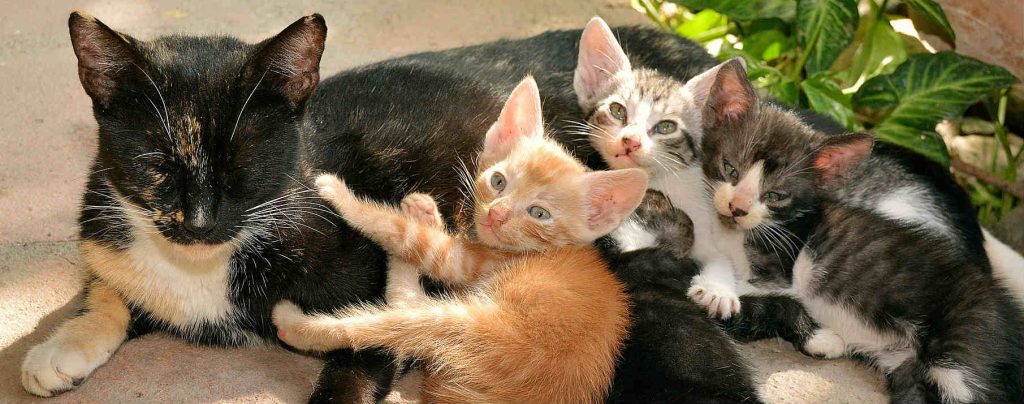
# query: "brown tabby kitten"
{"type": "Point", "coordinates": [541, 318]}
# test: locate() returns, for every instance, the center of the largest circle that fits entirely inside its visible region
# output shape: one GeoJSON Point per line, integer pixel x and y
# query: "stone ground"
{"type": "Point", "coordinates": [48, 139]}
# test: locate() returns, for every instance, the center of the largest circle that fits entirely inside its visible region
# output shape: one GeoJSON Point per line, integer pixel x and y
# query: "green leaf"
{"type": "Point", "coordinates": [744, 10]}
{"type": "Point", "coordinates": [932, 11]}
{"type": "Point", "coordinates": [825, 96]}
{"type": "Point", "coordinates": [880, 52]}
{"type": "Point", "coordinates": [698, 27]}
{"type": "Point", "coordinates": [925, 89]}
{"type": "Point", "coordinates": [766, 45]}
{"type": "Point", "coordinates": [825, 28]}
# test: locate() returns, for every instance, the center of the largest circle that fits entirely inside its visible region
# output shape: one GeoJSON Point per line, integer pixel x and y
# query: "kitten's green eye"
{"type": "Point", "coordinates": [498, 181]}
{"type": "Point", "coordinates": [665, 127]}
{"type": "Point", "coordinates": [773, 197]}
{"type": "Point", "coordinates": [731, 171]}
{"type": "Point", "coordinates": [618, 111]}
{"type": "Point", "coordinates": [539, 213]}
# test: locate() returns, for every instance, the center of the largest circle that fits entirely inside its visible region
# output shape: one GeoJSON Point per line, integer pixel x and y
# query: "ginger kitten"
{"type": "Point", "coordinates": [540, 318]}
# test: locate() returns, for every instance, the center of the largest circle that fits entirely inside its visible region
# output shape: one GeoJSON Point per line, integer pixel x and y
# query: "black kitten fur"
{"type": "Point", "coordinates": [674, 352]}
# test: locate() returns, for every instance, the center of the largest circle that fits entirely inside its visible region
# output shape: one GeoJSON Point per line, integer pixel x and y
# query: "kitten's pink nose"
{"type": "Point", "coordinates": [496, 216]}
{"type": "Point", "coordinates": [738, 209]}
{"type": "Point", "coordinates": [631, 143]}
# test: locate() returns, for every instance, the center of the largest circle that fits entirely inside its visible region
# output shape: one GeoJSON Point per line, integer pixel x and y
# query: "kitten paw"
{"type": "Point", "coordinates": [719, 299]}
{"type": "Point", "coordinates": [56, 366]}
{"type": "Point", "coordinates": [824, 344]}
{"type": "Point", "coordinates": [303, 331]}
{"type": "Point", "coordinates": [331, 187]}
{"type": "Point", "coordinates": [422, 208]}
{"type": "Point", "coordinates": [288, 318]}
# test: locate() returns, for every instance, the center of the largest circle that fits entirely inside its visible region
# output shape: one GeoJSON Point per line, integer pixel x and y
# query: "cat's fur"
{"type": "Point", "coordinates": [605, 81]}
{"type": "Point", "coordinates": [543, 319]}
{"type": "Point", "coordinates": [244, 144]}
{"type": "Point", "coordinates": [895, 182]}
{"type": "Point", "coordinates": [908, 301]}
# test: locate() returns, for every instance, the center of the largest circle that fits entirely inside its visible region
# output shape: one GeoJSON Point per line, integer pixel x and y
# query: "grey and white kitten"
{"type": "Point", "coordinates": [906, 299]}
{"type": "Point", "coordinates": [638, 117]}
{"type": "Point", "coordinates": [641, 118]}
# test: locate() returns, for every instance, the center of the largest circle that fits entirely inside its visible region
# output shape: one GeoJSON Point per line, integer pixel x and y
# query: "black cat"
{"type": "Point", "coordinates": [198, 218]}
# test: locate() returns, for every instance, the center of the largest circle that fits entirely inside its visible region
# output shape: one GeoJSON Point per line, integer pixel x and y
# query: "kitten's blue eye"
{"type": "Point", "coordinates": [618, 111]}
{"type": "Point", "coordinates": [731, 171]}
{"type": "Point", "coordinates": [772, 197]}
{"type": "Point", "coordinates": [539, 213]}
{"type": "Point", "coordinates": [665, 127]}
{"type": "Point", "coordinates": [498, 181]}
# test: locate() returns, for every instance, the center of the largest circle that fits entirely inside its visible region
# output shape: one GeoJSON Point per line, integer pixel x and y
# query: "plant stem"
{"type": "Point", "coordinates": [655, 15]}
{"type": "Point", "coordinates": [1013, 188]}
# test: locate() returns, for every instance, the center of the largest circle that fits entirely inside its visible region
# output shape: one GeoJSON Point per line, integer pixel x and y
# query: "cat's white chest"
{"type": "Point", "coordinates": [886, 349]}
{"type": "Point", "coordinates": [179, 291]}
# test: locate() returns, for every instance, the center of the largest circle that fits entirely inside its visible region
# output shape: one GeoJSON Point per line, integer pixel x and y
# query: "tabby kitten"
{"type": "Point", "coordinates": [541, 318]}
{"type": "Point", "coordinates": [643, 118]}
{"type": "Point", "coordinates": [907, 301]}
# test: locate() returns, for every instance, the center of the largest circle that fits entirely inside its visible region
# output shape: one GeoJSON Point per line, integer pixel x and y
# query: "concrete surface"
{"type": "Point", "coordinates": [47, 140]}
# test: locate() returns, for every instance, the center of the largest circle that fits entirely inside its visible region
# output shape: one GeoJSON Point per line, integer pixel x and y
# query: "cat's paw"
{"type": "Point", "coordinates": [56, 366]}
{"type": "Point", "coordinates": [719, 299]}
{"type": "Point", "coordinates": [824, 344]}
{"type": "Point", "coordinates": [288, 318]}
{"type": "Point", "coordinates": [422, 208]}
{"type": "Point", "coordinates": [332, 188]}
{"type": "Point", "coordinates": [302, 331]}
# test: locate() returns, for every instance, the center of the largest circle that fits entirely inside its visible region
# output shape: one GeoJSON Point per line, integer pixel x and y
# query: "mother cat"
{"type": "Point", "coordinates": [197, 218]}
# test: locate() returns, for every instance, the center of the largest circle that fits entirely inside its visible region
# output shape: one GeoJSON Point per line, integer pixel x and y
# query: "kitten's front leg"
{"type": "Point", "coordinates": [423, 209]}
{"type": "Point", "coordinates": [78, 346]}
{"type": "Point", "coordinates": [715, 289]}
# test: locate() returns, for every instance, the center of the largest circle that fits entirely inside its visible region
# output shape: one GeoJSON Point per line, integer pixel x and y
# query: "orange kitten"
{"type": "Point", "coordinates": [542, 320]}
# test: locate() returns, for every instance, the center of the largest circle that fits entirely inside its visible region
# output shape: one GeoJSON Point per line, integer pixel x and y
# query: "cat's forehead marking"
{"type": "Point", "coordinates": [187, 132]}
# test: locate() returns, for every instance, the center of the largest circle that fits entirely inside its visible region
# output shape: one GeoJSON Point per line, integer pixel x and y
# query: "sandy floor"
{"type": "Point", "coordinates": [47, 141]}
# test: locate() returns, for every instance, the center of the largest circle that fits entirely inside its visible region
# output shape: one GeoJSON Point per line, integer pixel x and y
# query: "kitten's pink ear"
{"type": "Point", "coordinates": [289, 63]}
{"type": "Point", "coordinates": [600, 59]}
{"type": "Point", "coordinates": [106, 59]}
{"type": "Point", "coordinates": [840, 155]}
{"type": "Point", "coordinates": [612, 196]}
{"type": "Point", "coordinates": [520, 118]}
{"type": "Point", "coordinates": [725, 92]}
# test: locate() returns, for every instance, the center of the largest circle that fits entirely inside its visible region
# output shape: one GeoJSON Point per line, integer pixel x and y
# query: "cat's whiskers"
{"type": "Point", "coordinates": [246, 103]}
{"type": "Point", "coordinates": [166, 119]}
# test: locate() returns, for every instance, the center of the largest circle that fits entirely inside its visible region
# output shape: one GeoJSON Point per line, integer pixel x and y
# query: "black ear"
{"type": "Point", "coordinates": [105, 57]}
{"type": "Point", "coordinates": [289, 63]}
{"type": "Point", "coordinates": [726, 93]}
{"type": "Point", "coordinates": [839, 155]}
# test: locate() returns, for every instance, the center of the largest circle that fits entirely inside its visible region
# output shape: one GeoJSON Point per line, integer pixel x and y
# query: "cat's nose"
{"type": "Point", "coordinates": [736, 212]}
{"type": "Point", "coordinates": [631, 143]}
{"type": "Point", "coordinates": [496, 216]}
{"type": "Point", "coordinates": [199, 223]}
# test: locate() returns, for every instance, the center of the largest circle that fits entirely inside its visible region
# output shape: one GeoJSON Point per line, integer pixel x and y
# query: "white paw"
{"type": "Point", "coordinates": [825, 344]}
{"type": "Point", "coordinates": [330, 186]}
{"type": "Point", "coordinates": [422, 208]}
{"type": "Point", "coordinates": [288, 318]}
{"type": "Point", "coordinates": [54, 367]}
{"type": "Point", "coordinates": [719, 299]}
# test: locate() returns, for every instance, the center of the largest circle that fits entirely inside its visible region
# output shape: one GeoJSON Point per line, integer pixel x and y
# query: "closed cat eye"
{"type": "Point", "coordinates": [539, 213]}
{"type": "Point", "coordinates": [498, 181]}
{"type": "Point", "coordinates": [772, 197]}
{"type": "Point", "coordinates": [665, 127]}
{"type": "Point", "coordinates": [731, 171]}
{"type": "Point", "coordinates": [618, 111]}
